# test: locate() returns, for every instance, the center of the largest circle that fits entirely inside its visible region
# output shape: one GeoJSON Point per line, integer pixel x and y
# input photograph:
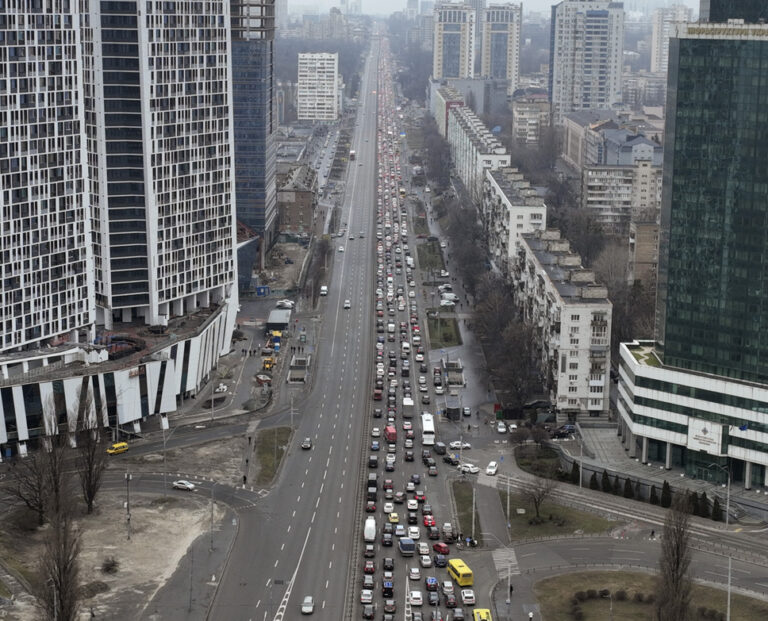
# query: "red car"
{"type": "Point", "coordinates": [370, 507]}
{"type": "Point", "coordinates": [441, 548]}
{"type": "Point", "coordinates": [429, 520]}
{"type": "Point", "coordinates": [370, 566]}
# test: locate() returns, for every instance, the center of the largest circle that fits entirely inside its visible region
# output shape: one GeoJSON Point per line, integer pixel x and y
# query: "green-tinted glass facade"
{"type": "Point", "coordinates": [712, 303]}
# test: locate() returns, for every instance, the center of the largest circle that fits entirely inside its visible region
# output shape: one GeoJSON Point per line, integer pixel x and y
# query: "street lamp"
{"type": "Point", "coordinates": [727, 471]}
{"type": "Point", "coordinates": [128, 478]}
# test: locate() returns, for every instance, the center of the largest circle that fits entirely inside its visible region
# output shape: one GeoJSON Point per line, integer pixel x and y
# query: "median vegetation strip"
{"type": "Point", "coordinates": [555, 519]}
{"type": "Point", "coordinates": [629, 596]}
{"type": "Point", "coordinates": [462, 496]}
{"type": "Point", "coordinates": [443, 331]}
{"type": "Point", "coordinates": [271, 445]}
{"type": "Point", "coordinates": [430, 257]}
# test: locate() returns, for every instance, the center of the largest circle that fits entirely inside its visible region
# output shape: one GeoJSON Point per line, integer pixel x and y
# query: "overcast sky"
{"type": "Point", "coordinates": [389, 6]}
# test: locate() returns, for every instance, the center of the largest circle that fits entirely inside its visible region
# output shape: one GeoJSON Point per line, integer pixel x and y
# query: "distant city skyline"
{"type": "Point", "coordinates": [375, 6]}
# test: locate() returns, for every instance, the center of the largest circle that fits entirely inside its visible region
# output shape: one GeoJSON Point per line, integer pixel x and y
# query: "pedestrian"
{"type": "Point", "coordinates": [653, 532]}
{"type": "Point", "coordinates": [469, 427]}
{"type": "Point", "coordinates": [511, 589]}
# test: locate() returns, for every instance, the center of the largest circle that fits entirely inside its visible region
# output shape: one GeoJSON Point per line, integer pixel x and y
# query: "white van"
{"type": "Point", "coordinates": [369, 532]}
{"type": "Point", "coordinates": [391, 328]}
{"type": "Point", "coordinates": [406, 346]}
{"type": "Point", "coordinates": [324, 290]}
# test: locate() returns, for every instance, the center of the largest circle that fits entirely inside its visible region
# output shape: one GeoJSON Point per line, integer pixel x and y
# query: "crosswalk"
{"type": "Point", "coordinates": [505, 561]}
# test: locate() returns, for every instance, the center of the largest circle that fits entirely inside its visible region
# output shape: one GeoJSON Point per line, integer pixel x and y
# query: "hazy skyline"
{"type": "Point", "coordinates": [379, 7]}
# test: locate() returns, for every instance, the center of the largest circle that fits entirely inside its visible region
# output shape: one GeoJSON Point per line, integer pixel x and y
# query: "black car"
{"type": "Point", "coordinates": [433, 532]}
{"type": "Point", "coordinates": [377, 413]}
{"type": "Point", "coordinates": [413, 518]}
{"type": "Point", "coordinates": [388, 564]}
{"type": "Point", "coordinates": [408, 455]}
{"type": "Point", "coordinates": [368, 611]}
{"type": "Point", "coordinates": [390, 466]}
{"type": "Point", "coordinates": [373, 461]}
{"type": "Point", "coordinates": [440, 560]}
{"type": "Point", "coordinates": [430, 462]}
{"type": "Point", "coordinates": [425, 455]}
{"type": "Point", "coordinates": [386, 540]}
{"type": "Point", "coordinates": [433, 598]}
{"type": "Point", "coordinates": [451, 459]}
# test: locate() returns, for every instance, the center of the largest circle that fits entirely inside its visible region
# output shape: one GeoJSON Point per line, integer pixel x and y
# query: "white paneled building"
{"type": "Point", "coordinates": [473, 149]}
{"type": "Point", "coordinates": [453, 48]}
{"type": "Point", "coordinates": [510, 209]}
{"type": "Point", "coordinates": [664, 20]}
{"type": "Point", "coordinates": [571, 314]}
{"type": "Point", "coordinates": [319, 93]}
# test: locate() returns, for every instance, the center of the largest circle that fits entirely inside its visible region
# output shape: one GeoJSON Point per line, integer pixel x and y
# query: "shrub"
{"type": "Point", "coordinates": [666, 495]}
{"type": "Point", "coordinates": [650, 598]}
{"type": "Point", "coordinates": [593, 484]}
{"type": "Point", "coordinates": [605, 593]}
{"type": "Point", "coordinates": [629, 491]}
{"type": "Point", "coordinates": [654, 495]}
{"type": "Point", "coordinates": [639, 597]}
{"type": "Point", "coordinates": [578, 615]}
{"type": "Point", "coordinates": [606, 484]}
{"type": "Point", "coordinates": [616, 486]}
{"type": "Point", "coordinates": [110, 565]}
{"type": "Point", "coordinates": [701, 612]}
{"type": "Point", "coordinates": [580, 595]}
{"type": "Point", "coordinates": [575, 472]}
{"type": "Point", "coordinates": [621, 595]}
{"type": "Point", "coordinates": [591, 594]}
{"type": "Point", "coordinates": [704, 505]}
{"type": "Point", "coordinates": [717, 512]}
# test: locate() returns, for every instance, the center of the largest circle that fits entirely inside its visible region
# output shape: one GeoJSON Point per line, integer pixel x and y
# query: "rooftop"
{"type": "Point", "coordinates": [516, 188]}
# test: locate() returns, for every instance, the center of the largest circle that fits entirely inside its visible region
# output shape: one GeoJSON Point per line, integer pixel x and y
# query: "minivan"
{"type": "Point", "coordinates": [117, 448]}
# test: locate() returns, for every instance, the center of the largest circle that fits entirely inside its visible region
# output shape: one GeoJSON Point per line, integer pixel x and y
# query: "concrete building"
{"type": "Point", "coordinates": [483, 95]}
{"type": "Point", "coordinates": [643, 89]}
{"type": "Point", "coordinates": [454, 41]}
{"type": "Point", "coordinates": [442, 98]}
{"type": "Point", "coordinates": [411, 10]}
{"type": "Point", "coordinates": [473, 149]}
{"type": "Point", "coordinates": [579, 131]}
{"type": "Point", "coordinates": [318, 95]}
{"type": "Point", "coordinates": [643, 251]}
{"type": "Point", "coordinates": [510, 208]}
{"type": "Point", "coordinates": [500, 40]}
{"type": "Point", "coordinates": [530, 115]}
{"type": "Point", "coordinates": [586, 56]}
{"type": "Point", "coordinates": [697, 397]}
{"type": "Point", "coordinates": [664, 20]}
{"type": "Point", "coordinates": [425, 31]}
{"type": "Point", "coordinates": [571, 316]}
{"type": "Point", "coordinates": [296, 201]}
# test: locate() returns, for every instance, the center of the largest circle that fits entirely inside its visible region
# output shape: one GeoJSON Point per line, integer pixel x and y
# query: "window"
{"type": "Point", "coordinates": [573, 388]}
{"type": "Point", "coordinates": [573, 378]}
{"type": "Point", "coordinates": [574, 353]}
{"type": "Point", "coordinates": [573, 366]}
{"type": "Point", "coordinates": [574, 342]}
{"type": "Point", "coordinates": [574, 317]}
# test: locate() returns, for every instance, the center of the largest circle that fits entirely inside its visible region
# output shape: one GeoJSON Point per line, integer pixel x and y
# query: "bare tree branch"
{"type": "Point", "coordinates": [538, 491]}
{"type": "Point", "coordinates": [673, 589]}
{"type": "Point", "coordinates": [91, 457]}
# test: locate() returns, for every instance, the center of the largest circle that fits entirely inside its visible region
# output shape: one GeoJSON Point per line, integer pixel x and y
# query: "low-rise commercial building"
{"type": "Point", "coordinates": [296, 201]}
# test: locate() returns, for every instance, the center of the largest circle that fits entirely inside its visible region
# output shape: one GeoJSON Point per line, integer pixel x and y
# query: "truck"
{"type": "Point", "coordinates": [407, 407]}
{"type": "Point", "coordinates": [390, 433]}
{"type": "Point", "coordinates": [407, 546]}
{"type": "Point", "coordinates": [369, 532]}
{"type": "Point", "coordinates": [352, 155]}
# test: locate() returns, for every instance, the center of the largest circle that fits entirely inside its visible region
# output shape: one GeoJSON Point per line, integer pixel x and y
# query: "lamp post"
{"type": "Point", "coordinates": [727, 471]}
{"type": "Point", "coordinates": [128, 478]}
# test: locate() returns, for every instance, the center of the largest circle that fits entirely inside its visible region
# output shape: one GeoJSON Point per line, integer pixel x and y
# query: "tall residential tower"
{"type": "Point", "coordinates": [453, 54]}
{"type": "Point", "coordinates": [500, 31]}
{"type": "Point", "coordinates": [664, 20]}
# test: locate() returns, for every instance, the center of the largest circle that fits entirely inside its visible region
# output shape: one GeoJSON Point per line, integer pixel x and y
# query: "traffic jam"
{"type": "Point", "coordinates": [410, 565]}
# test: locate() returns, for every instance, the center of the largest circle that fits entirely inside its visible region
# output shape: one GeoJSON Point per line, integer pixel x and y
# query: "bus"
{"type": "Point", "coordinates": [427, 429]}
{"type": "Point", "coordinates": [460, 572]}
{"type": "Point", "coordinates": [481, 614]}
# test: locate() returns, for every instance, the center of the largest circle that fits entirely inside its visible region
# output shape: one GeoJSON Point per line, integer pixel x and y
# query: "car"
{"type": "Point", "coordinates": [414, 532]}
{"type": "Point", "coordinates": [432, 471]}
{"type": "Point", "coordinates": [399, 497]}
{"type": "Point", "coordinates": [414, 573]}
{"type": "Point", "coordinates": [390, 605]}
{"type": "Point", "coordinates": [388, 564]}
{"type": "Point", "coordinates": [386, 540]}
{"type": "Point", "coordinates": [444, 274]}
{"type": "Point", "coordinates": [451, 459]}
{"type": "Point", "coordinates": [412, 504]}
{"type": "Point", "coordinates": [306, 444]}
{"type": "Point", "coordinates": [400, 530]}
{"type": "Point", "coordinates": [410, 486]}
{"type": "Point", "coordinates": [370, 550]}
{"type": "Point", "coordinates": [285, 304]}
{"type": "Point", "coordinates": [415, 599]}
{"type": "Point", "coordinates": [375, 445]}
{"type": "Point", "coordinates": [447, 303]}
{"type": "Point", "coordinates": [426, 509]}
{"type": "Point", "coordinates": [433, 598]}
{"type": "Point", "coordinates": [375, 432]}
{"type": "Point", "coordinates": [369, 567]}
{"type": "Point", "coordinates": [429, 520]}
{"type": "Point", "coordinates": [341, 248]}
{"type": "Point", "coordinates": [492, 468]}
{"type": "Point", "coordinates": [117, 447]}
{"type": "Point", "coordinates": [433, 532]}
{"type": "Point", "coordinates": [450, 600]}
{"type": "Point", "coordinates": [187, 486]}
{"type": "Point", "coordinates": [388, 506]}
{"type": "Point", "coordinates": [351, 236]}
{"type": "Point", "coordinates": [441, 548]}
{"type": "Point", "coordinates": [425, 561]}
{"type": "Point", "coordinates": [394, 518]}
{"type": "Point", "coordinates": [413, 518]}
{"type": "Point", "coordinates": [408, 455]}
{"type": "Point", "coordinates": [446, 586]}
{"type": "Point", "coordinates": [407, 425]}
{"type": "Point", "coordinates": [468, 597]}
{"type": "Point", "coordinates": [422, 548]}
{"type": "Point", "coordinates": [458, 444]}
{"type": "Point", "coordinates": [308, 605]}
{"type": "Point", "coordinates": [439, 390]}
{"type": "Point", "coordinates": [425, 400]}
{"type": "Point", "coordinates": [440, 560]}
{"type": "Point", "coordinates": [416, 478]}
{"type": "Point", "coordinates": [436, 614]}
{"type": "Point", "coordinates": [501, 427]}
{"type": "Point", "coordinates": [431, 583]}
{"type": "Point", "coordinates": [366, 596]}
{"type": "Point", "coordinates": [466, 411]}
{"type": "Point", "coordinates": [370, 507]}
{"type": "Point", "coordinates": [419, 496]}
{"type": "Point", "coordinates": [469, 469]}
{"type": "Point", "coordinates": [368, 611]}
{"type": "Point", "coordinates": [347, 304]}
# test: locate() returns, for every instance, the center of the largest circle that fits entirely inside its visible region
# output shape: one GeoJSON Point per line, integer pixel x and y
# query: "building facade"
{"type": "Point", "coordinates": [586, 56]}
{"type": "Point", "coordinates": [571, 316]}
{"type": "Point", "coordinates": [318, 97]}
{"type": "Point", "coordinates": [510, 209]}
{"type": "Point", "coordinates": [530, 115]}
{"type": "Point", "coordinates": [473, 149]}
{"type": "Point", "coordinates": [296, 201]}
{"type": "Point", "coordinates": [664, 20]}
{"type": "Point", "coordinates": [453, 48]}
{"type": "Point", "coordinates": [697, 397]}
{"type": "Point", "coordinates": [442, 98]}
{"type": "Point", "coordinates": [500, 41]}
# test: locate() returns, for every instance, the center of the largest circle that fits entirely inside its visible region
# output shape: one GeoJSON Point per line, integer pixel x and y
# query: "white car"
{"type": "Point", "coordinates": [347, 304]}
{"type": "Point", "coordinates": [458, 444]}
{"type": "Point", "coordinates": [447, 587]}
{"type": "Point", "coordinates": [187, 486]}
{"type": "Point", "coordinates": [447, 303]}
{"type": "Point", "coordinates": [423, 548]}
{"type": "Point", "coordinates": [439, 390]}
{"type": "Point", "coordinates": [285, 304]}
{"type": "Point", "coordinates": [375, 432]}
{"type": "Point", "coordinates": [444, 274]}
{"type": "Point", "coordinates": [469, 468]}
{"type": "Point", "coordinates": [414, 573]}
{"type": "Point", "coordinates": [468, 597]}
{"type": "Point", "coordinates": [415, 599]}
{"type": "Point", "coordinates": [341, 248]}
{"type": "Point", "coordinates": [414, 532]}
{"type": "Point", "coordinates": [425, 560]}
{"type": "Point", "coordinates": [366, 596]}
{"type": "Point", "coordinates": [308, 605]}
{"type": "Point", "coordinates": [411, 294]}
{"type": "Point", "coordinates": [501, 427]}
{"type": "Point", "coordinates": [389, 507]}
{"type": "Point", "coordinates": [492, 468]}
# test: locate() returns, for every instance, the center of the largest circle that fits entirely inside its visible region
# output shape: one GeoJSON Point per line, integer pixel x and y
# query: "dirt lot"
{"type": "Point", "coordinates": [282, 275]}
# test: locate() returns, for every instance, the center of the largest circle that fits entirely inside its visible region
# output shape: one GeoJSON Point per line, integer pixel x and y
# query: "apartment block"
{"type": "Point", "coordinates": [453, 49]}
{"type": "Point", "coordinates": [510, 208]}
{"type": "Point", "coordinates": [442, 98]}
{"type": "Point", "coordinates": [643, 251]}
{"type": "Point", "coordinates": [530, 115]}
{"type": "Point", "coordinates": [319, 93]}
{"type": "Point", "coordinates": [586, 56]}
{"type": "Point", "coordinates": [500, 35]}
{"type": "Point", "coordinates": [296, 201]}
{"type": "Point", "coordinates": [664, 20]}
{"type": "Point", "coordinates": [473, 149]}
{"type": "Point", "coordinates": [571, 315]}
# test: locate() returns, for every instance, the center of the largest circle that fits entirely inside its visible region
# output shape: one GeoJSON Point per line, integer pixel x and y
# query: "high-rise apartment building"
{"type": "Point", "coordinates": [453, 50]}
{"type": "Point", "coordinates": [45, 244]}
{"type": "Point", "coordinates": [500, 33]}
{"type": "Point", "coordinates": [281, 15]}
{"type": "Point", "coordinates": [318, 92]}
{"type": "Point", "coordinates": [586, 51]}
{"type": "Point", "coordinates": [412, 9]}
{"type": "Point", "coordinates": [255, 125]}
{"type": "Point", "coordinates": [664, 20]}
{"type": "Point", "coordinates": [751, 11]}
{"type": "Point", "coordinates": [159, 127]}
{"type": "Point", "coordinates": [697, 397]}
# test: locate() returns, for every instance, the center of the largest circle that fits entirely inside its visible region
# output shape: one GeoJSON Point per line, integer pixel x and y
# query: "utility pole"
{"type": "Point", "coordinates": [473, 512]}
{"type": "Point", "coordinates": [581, 459]}
{"type": "Point", "coordinates": [291, 410]}
{"type": "Point", "coordinates": [128, 478]}
{"type": "Point", "coordinates": [728, 605]}
{"type": "Point", "coordinates": [213, 484]}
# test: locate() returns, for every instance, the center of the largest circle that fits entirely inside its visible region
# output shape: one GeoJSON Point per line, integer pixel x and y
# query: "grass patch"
{"type": "Point", "coordinates": [4, 591]}
{"type": "Point", "coordinates": [558, 520]}
{"type": "Point", "coordinates": [420, 226]}
{"type": "Point", "coordinates": [462, 494]}
{"type": "Point", "coordinates": [430, 257]}
{"type": "Point", "coordinates": [443, 332]}
{"type": "Point", "coordinates": [555, 595]}
{"type": "Point", "coordinates": [537, 460]}
{"type": "Point", "coordinates": [271, 445]}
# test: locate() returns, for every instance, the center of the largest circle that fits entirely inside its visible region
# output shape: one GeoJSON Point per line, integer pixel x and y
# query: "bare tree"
{"type": "Point", "coordinates": [30, 483]}
{"type": "Point", "coordinates": [538, 491]}
{"type": "Point", "coordinates": [673, 587]}
{"type": "Point", "coordinates": [539, 434]}
{"type": "Point", "coordinates": [520, 435]}
{"type": "Point", "coordinates": [91, 457]}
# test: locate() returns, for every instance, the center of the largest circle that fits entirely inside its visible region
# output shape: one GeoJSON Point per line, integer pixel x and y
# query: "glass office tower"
{"type": "Point", "coordinates": [712, 303]}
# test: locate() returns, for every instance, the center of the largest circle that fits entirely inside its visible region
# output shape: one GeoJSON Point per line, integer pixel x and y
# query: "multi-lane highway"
{"type": "Point", "coordinates": [297, 542]}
